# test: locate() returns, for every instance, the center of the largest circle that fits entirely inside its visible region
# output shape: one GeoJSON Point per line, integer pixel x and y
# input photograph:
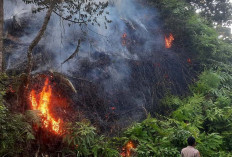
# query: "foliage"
{"type": "Point", "coordinates": [213, 10]}
{"type": "Point", "coordinates": [151, 138]}
{"type": "Point", "coordinates": [209, 144]}
{"type": "Point", "coordinates": [192, 32]}
{"type": "Point", "coordinates": [85, 142]}
{"type": "Point", "coordinates": [210, 111]}
{"type": "Point", "coordinates": [15, 132]}
{"type": "Point", "coordinates": [208, 82]}
{"type": "Point", "coordinates": [3, 80]}
{"type": "Point", "coordinates": [206, 113]}
{"type": "Point", "coordinates": [167, 137]}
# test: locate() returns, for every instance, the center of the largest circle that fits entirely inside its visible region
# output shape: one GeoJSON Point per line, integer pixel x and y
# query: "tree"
{"type": "Point", "coordinates": [218, 11]}
{"type": "Point", "coordinates": [74, 11]}
{"type": "Point", "coordinates": [79, 12]}
{"type": "Point", "coordinates": [1, 35]}
{"type": "Point", "coordinates": [38, 38]}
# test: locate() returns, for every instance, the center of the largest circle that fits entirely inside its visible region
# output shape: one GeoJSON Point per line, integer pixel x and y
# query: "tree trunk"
{"type": "Point", "coordinates": [25, 94]}
{"type": "Point", "coordinates": [1, 36]}
{"type": "Point", "coordinates": [37, 39]}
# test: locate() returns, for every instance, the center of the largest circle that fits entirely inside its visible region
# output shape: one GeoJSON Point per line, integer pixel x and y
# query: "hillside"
{"type": "Point", "coordinates": [128, 78]}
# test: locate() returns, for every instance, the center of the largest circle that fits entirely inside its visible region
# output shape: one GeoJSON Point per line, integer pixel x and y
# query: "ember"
{"type": "Point", "coordinates": [189, 61]}
{"type": "Point", "coordinates": [113, 108]}
{"type": "Point", "coordinates": [127, 150]}
{"type": "Point", "coordinates": [124, 35]}
{"type": "Point", "coordinates": [168, 41]}
{"type": "Point", "coordinates": [124, 41]}
{"type": "Point", "coordinates": [43, 106]}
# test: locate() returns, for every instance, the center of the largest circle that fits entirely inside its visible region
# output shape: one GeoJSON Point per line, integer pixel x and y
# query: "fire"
{"type": "Point", "coordinates": [43, 106]}
{"type": "Point", "coordinates": [124, 35]}
{"type": "Point", "coordinates": [127, 150]}
{"type": "Point", "coordinates": [168, 41]}
{"type": "Point", "coordinates": [124, 39]}
{"type": "Point", "coordinates": [189, 61]}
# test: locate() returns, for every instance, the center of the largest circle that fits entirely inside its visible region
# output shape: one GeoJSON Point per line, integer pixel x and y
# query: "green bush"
{"type": "Point", "coordinates": [83, 139]}
{"type": "Point", "coordinates": [15, 132]}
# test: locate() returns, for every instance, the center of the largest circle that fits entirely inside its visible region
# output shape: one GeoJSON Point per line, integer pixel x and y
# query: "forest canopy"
{"type": "Point", "coordinates": [214, 10]}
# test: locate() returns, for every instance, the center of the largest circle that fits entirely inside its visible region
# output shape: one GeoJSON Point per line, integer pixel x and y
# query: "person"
{"type": "Point", "coordinates": [190, 150]}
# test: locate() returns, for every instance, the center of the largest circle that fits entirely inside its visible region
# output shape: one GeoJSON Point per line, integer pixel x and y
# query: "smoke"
{"type": "Point", "coordinates": [125, 15]}
{"type": "Point", "coordinates": [13, 8]}
{"type": "Point", "coordinates": [120, 56]}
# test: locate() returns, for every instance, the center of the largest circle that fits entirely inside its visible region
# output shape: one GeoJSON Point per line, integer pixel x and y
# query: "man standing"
{"type": "Point", "coordinates": [190, 150]}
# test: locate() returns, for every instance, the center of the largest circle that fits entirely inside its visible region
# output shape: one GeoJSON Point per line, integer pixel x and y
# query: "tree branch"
{"type": "Point", "coordinates": [30, 55]}
{"type": "Point", "coordinates": [64, 18]}
{"type": "Point", "coordinates": [74, 53]}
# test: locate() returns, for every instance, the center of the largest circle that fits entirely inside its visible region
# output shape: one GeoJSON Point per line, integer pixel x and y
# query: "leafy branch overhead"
{"type": "Point", "coordinates": [74, 11]}
{"type": "Point", "coordinates": [214, 10]}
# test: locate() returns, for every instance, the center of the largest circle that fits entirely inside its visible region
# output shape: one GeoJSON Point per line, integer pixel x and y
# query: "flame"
{"type": "Point", "coordinates": [124, 35]}
{"type": "Point", "coordinates": [124, 40]}
{"type": "Point", "coordinates": [43, 106]}
{"type": "Point", "coordinates": [127, 149]}
{"type": "Point", "coordinates": [168, 41]}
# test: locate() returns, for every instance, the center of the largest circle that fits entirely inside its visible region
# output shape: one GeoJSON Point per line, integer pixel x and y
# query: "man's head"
{"type": "Point", "coordinates": [191, 141]}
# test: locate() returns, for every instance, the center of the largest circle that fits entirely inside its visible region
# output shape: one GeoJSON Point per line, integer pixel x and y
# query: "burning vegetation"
{"type": "Point", "coordinates": [112, 87]}
{"type": "Point", "coordinates": [168, 40]}
{"type": "Point", "coordinates": [42, 103]}
{"type": "Point", "coordinates": [128, 149]}
{"type": "Point", "coordinates": [124, 39]}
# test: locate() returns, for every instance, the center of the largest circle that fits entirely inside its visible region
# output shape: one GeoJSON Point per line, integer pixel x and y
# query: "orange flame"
{"type": "Point", "coordinates": [168, 41]}
{"type": "Point", "coordinates": [43, 106]}
{"type": "Point", "coordinates": [127, 149]}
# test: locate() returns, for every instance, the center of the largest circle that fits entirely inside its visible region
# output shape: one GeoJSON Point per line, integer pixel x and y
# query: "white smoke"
{"type": "Point", "coordinates": [60, 40]}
